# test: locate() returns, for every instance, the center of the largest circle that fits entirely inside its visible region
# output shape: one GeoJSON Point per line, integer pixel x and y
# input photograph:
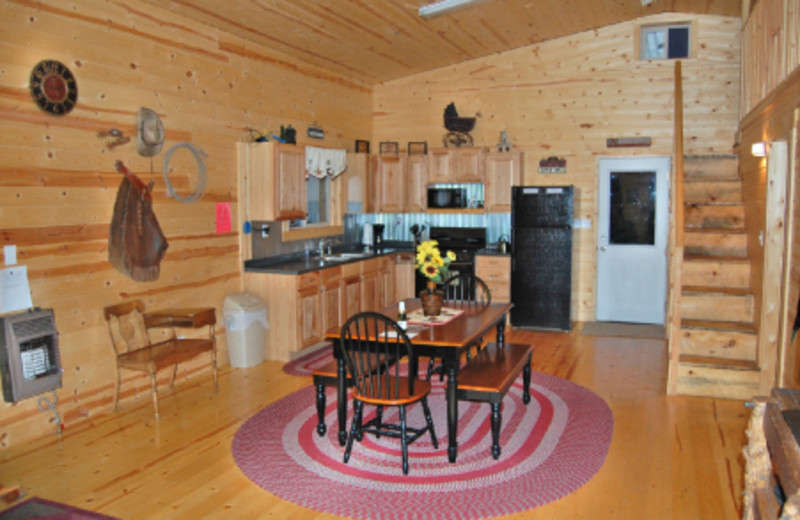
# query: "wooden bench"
{"type": "Point", "coordinates": [488, 376]}
{"type": "Point", "coordinates": [128, 328]}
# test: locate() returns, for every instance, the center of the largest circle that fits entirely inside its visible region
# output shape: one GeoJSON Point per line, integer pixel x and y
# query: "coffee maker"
{"type": "Point", "coordinates": [377, 231]}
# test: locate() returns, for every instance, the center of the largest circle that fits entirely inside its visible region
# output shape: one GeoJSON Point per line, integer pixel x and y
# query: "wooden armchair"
{"type": "Point", "coordinates": [128, 327]}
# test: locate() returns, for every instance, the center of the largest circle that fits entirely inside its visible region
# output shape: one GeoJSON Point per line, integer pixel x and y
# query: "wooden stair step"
{"type": "Point", "coordinates": [737, 326]}
{"type": "Point", "coordinates": [716, 272]}
{"type": "Point", "coordinates": [722, 379]}
{"type": "Point", "coordinates": [711, 166]}
{"type": "Point", "coordinates": [716, 191]}
{"type": "Point", "coordinates": [714, 362]}
{"type": "Point", "coordinates": [712, 289]}
{"type": "Point", "coordinates": [718, 340]}
{"type": "Point", "coordinates": [715, 242]}
{"type": "Point", "coordinates": [726, 216]}
{"type": "Point", "coordinates": [716, 304]}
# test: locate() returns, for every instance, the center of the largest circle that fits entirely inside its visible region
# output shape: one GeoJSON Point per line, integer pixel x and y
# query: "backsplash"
{"type": "Point", "coordinates": [397, 229]}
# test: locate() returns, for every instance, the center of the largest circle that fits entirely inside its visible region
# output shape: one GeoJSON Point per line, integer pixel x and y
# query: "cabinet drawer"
{"type": "Point", "coordinates": [330, 274]}
{"type": "Point", "coordinates": [491, 262]}
{"type": "Point", "coordinates": [308, 280]}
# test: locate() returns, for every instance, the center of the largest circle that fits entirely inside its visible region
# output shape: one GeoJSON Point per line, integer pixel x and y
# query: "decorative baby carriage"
{"type": "Point", "coordinates": [459, 128]}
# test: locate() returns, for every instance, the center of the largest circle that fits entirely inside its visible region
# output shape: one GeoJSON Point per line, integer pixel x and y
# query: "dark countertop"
{"type": "Point", "coordinates": [297, 263]}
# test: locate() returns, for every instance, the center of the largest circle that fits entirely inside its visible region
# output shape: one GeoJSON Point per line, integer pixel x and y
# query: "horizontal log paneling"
{"type": "Point", "coordinates": [565, 97]}
{"type": "Point", "coordinates": [58, 183]}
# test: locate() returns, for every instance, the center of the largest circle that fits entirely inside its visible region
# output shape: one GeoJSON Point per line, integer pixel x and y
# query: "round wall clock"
{"type": "Point", "coordinates": [53, 87]}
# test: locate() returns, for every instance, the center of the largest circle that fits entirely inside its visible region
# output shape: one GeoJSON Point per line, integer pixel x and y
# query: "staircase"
{"type": "Point", "coordinates": [717, 341]}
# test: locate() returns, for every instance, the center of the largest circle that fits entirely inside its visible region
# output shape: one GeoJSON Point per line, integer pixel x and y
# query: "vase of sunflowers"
{"type": "Point", "coordinates": [434, 266]}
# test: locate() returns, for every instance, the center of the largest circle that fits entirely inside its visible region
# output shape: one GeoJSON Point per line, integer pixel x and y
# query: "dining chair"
{"type": "Point", "coordinates": [462, 288]}
{"type": "Point", "coordinates": [371, 342]}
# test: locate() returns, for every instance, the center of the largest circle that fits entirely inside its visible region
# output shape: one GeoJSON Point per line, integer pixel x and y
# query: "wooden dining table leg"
{"type": "Point", "coordinates": [341, 397]}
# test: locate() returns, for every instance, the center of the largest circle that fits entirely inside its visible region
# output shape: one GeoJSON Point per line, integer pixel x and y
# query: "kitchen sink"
{"type": "Point", "coordinates": [341, 257]}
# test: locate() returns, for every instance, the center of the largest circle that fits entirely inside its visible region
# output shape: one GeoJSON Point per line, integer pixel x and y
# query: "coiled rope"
{"type": "Point", "coordinates": [200, 186]}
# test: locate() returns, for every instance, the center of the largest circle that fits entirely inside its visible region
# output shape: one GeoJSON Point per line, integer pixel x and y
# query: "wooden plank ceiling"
{"type": "Point", "coordinates": [379, 40]}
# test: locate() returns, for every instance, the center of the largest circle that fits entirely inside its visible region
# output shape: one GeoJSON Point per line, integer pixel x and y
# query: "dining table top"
{"type": "Point", "coordinates": [461, 331]}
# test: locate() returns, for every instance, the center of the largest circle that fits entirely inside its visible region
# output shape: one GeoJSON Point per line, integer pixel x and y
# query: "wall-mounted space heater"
{"type": "Point", "coordinates": [30, 363]}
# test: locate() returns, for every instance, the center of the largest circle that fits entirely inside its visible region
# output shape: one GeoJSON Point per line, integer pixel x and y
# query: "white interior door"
{"type": "Point", "coordinates": [632, 232]}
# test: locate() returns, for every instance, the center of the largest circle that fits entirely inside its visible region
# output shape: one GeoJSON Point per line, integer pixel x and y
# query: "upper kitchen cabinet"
{"type": "Point", "coordinates": [272, 181]}
{"type": "Point", "coordinates": [356, 183]}
{"type": "Point", "coordinates": [390, 183]}
{"type": "Point", "coordinates": [503, 170]}
{"type": "Point", "coordinates": [416, 182]}
{"type": "Point", "coordinates": [446, 165]}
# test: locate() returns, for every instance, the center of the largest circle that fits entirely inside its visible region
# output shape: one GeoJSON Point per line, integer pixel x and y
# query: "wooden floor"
{"type": "Point", "coordinates": [670, 457]}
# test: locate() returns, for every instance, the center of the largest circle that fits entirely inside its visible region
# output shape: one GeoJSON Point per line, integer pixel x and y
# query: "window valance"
{"type": "Point", "coordinates": [325, 162]}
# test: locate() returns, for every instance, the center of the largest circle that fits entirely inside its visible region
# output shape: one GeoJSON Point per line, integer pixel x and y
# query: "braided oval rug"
{"type": "Point", "coordinates": [550, 448]}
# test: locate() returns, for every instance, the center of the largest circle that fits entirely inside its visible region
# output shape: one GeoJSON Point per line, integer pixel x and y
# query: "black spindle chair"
{"type": "Point", "coordinates": [370, 343]}
{"type": "Point", "coordinates": [462, 288]}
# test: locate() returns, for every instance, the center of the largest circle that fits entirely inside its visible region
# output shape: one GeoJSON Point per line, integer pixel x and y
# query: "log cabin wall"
{"type": "Point", "coordinates": [58, 183]}
{"type": "Point", "coordinates": [565, 97]}
{"type": "Point", "coordinates": [770, 100]}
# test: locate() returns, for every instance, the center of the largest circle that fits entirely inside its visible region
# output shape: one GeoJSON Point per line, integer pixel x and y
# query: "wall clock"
{"type": "Point", "coordinates": [53, 87]}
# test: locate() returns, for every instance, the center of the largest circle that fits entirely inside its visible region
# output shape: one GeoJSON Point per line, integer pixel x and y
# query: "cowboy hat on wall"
{"type": "Point", "coordinates": [151, 133]}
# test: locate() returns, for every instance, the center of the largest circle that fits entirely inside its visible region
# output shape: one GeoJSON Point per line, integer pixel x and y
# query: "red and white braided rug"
{"type": "Point", "coordinates": [550, 448]}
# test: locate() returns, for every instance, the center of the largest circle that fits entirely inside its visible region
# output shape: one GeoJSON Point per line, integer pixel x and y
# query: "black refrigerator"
{"type": "Point", "coordinates": [541, 256]}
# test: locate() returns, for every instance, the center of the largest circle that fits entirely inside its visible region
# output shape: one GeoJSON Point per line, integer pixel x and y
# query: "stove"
{"type": "Point", "coordinates": [464, 242]}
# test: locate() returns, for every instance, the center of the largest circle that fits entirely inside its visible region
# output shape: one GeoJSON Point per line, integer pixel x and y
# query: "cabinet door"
{"type": "Point", "coordinates": [386, 289]}
{"type": "Point", "coordinates": [440, 165]}
{"type": "Point", "coordinates": [416, 183]}
{"type": "Point", "coordinates": [356, 189]}
{"type": "Point", "coordinates": [390, 184]}
{"type": "Point", "coordinates": [291, 181]}
{"type": "Point", "coordinates": [309, 323]}
{"type": "Point", "coordinates": [404, 276]}
{"type": "Point", "coordinates": [503, 170]}
{"type": "Point", "coordinates": [469, 164]}
{"type": "Point", "coordinates": [370, 292]}
{"type": "Point", "coordinates": [351, 296]}
{"type": "Point", "coordinates": [331, 306]}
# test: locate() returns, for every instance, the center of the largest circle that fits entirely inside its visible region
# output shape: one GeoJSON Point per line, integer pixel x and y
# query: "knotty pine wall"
{"type": "Point", "coordinates": [58, 183]}
{"type": "Point", "coordinates": [771, 111]}
{"type": "Point", "coordinates": [565, 97]}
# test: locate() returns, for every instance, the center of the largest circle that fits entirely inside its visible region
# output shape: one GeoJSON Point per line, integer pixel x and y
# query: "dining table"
{"type": "Point", "coordinates": [445, 338]}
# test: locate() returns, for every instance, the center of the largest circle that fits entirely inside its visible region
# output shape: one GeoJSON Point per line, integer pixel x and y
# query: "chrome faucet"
{"type": "Point", "coordinates": [325, 247]}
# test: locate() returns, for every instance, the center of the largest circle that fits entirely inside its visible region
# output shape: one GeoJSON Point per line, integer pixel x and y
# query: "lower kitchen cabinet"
{"type": "Point", "coordinates": [495, 270]}
{"type": "Point", "coordinates": [404, 275]}
{"type": "Point", "coordinates": [301, 308]}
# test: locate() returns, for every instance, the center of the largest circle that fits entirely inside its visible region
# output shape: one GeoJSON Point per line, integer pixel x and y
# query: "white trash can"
{"type": "Point", "coordinates": [246, 325]}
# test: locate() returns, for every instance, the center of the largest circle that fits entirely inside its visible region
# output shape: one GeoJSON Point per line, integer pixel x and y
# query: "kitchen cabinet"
{"type": "Point", "coordinates": [370, 286]}
{"type": "Point", "coordinates": [404, 276]}
{"type": "Point", "coordinates": [416, 200]}
{"type": "Point", "coordinates": [386, 287]}
{"type": "Point", "coordinates": [302, 307]}
{"type": "Point", "coordinates": [356, 182]}
{"type": "Point", "coordinates": [503, 170]}
{"type": "Point", "coordinates": [272, 181]}
{"type": "Point", "coordinates": [495, 270]}
{"type": "Point", "coordinates": [330, 281]}
{"type": "Point", "coordinates": [449, 165]}
{"type": "Point", "coordinates": [390, 183]}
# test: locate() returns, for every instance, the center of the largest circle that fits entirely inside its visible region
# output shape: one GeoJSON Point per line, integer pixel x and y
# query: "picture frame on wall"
{"type": "Point", "coordinates": [362, 146]}
{"type": "Point", "coordinates": [417, 147]}
{"type": "Point", "coordinates": [389, 148]}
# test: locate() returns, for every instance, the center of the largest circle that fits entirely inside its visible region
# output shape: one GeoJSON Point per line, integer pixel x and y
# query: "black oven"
{"type": "Point", "coordinates": [464, 242]}
{"type": "Point", "coordinates": [443, 198]}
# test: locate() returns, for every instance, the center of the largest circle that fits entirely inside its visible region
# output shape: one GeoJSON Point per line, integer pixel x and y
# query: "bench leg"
{"type": "Point", "coordinates": [497, 419]}
{"type": "Point", "coordinates": [526, 382]}
{"type": "Point", "coordinates": [321, 401]}
{"type": "Point", "coordinates": [154, 387]}
{"type": "Point", "coordinates": [116, 390]}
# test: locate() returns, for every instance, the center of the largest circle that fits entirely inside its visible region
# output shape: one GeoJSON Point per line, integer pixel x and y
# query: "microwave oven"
{"type": "Point", "coordinates": [440, 198]}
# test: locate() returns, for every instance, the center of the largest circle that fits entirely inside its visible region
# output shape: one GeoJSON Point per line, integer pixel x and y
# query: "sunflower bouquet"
{"type": "Point", "coordinates": [430, 261]}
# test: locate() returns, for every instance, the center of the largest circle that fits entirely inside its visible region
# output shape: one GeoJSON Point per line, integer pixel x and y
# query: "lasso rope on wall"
{"type": "Point", "coordinates": [200, 186]}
